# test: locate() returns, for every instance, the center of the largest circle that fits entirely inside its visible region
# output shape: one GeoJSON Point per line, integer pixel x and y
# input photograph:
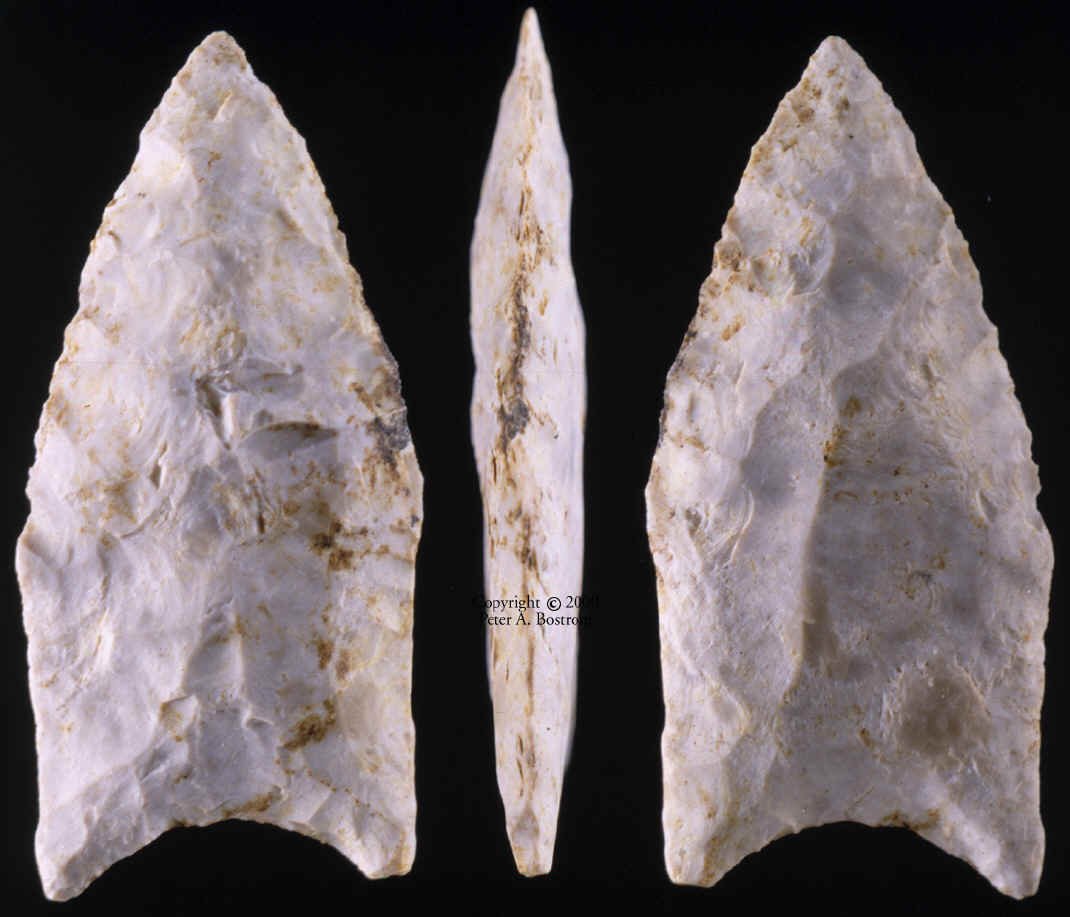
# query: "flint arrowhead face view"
{"type": "Point", "coordinates": [852, 573]}
{"type": "Point", "coordinates": [217, 570]}
{"type": "Point", "coordinates": [528, 409]}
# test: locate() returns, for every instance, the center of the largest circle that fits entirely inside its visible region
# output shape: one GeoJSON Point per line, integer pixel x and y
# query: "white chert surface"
{"type": "Point", "coordinates": [852, 573]}
{"type": "Point", "coordinates": [528, 410]}
{"type": "Point", "coordinates": [217, 571]}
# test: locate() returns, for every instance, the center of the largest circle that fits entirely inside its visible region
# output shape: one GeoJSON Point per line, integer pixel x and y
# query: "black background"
{"type": "Point", "coordinates": [659, 106]}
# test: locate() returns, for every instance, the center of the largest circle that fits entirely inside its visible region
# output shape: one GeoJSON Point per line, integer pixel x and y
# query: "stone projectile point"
{"type": "Point", "coordinates": [528, 410]}
{"type": "Point", "coordinates": [217, 571]}
{"type": "Point", "coordinates": [853, 576]}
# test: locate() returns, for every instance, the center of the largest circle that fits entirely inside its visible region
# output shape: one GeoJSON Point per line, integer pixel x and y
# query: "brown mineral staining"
{"type": "Point", "coordinates": [56, 407]}
{"type": "Point", "coordinates": [170, 718]}
{"type": "Point", "coordinates": [306, 429]}
{"type": "Point", "coordinates": [343, 665]}
{"type": "Point", "coordinates": [727, 255]}
{"type": "Point", "coordinates": [326, 542]}
{"type": "Point", "coordinates": [384, 395]}
{"type": "Point", "coordinates": [897, 819]}
{"type": "Point", "coordinates": [694, 523]}
{"type": "Point", "coordinates": [259, 803]}
{"type": "Point", "coordinates": [362, 393]}
{"type": "Point", "coordinates": [833, 445]}
{"type": "Point", "coordinates": [513, 410]}
{"type": "Point", "coordinates": [760, 153]}
{"type": "Point", "coordinates": [313, 728]}
{"type": "Point", "coordinates": [324, 650]}
{"type": "Point", "coordinates": [528, 231]}
{"type": "Point", "coordinates": [255, 806]}
{"type": "Point", "coordinates": [710, 290]}
{"type": "Point", "coordinates": [287, 221]}
{"type": "Point", "coordinates": [525, 553]}
{"type": "Point", "coordinates": [731, 328]}
{"type": "Point", "coordinates": [328, 283]}
{"type": "Point", "coordinates": [852, 407]}
{"type": "Point", "coordinates": [340, 559]}
{"type": "Point", "coordinates": [803, 99]}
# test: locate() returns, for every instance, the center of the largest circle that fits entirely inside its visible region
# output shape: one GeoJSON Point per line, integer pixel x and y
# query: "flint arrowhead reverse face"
{"type": "Point", "coordinates": [217, 570]}
{"type": "Point", "coordinates": [527, 427]}
{"type": "Point", "coordinates": [852, 573]}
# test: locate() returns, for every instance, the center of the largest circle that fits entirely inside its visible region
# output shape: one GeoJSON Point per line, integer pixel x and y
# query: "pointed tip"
{"type": "Point", "coordinates": [529, 24]}
{"type": "Point", "coordinates": [219, 37]}
{"type": "Point", "coordinates": [834, 50]}
{"type": "Point", "coordinates": [217, 64]}
{"type": "Point", "coordinates": [529, 47]}
{"type": "Point", "coordinates": [220, 49]}
{"type": "Point", "coordinates": [832, 43]}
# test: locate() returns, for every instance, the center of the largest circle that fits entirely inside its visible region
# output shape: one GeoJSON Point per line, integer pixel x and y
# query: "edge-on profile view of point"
{"type": "Point", "coordinates": [852, 573]}
{"type": "Point", "coordinates": [528, 413]}
{"type": "Point", "coordinates": [217, 570]}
